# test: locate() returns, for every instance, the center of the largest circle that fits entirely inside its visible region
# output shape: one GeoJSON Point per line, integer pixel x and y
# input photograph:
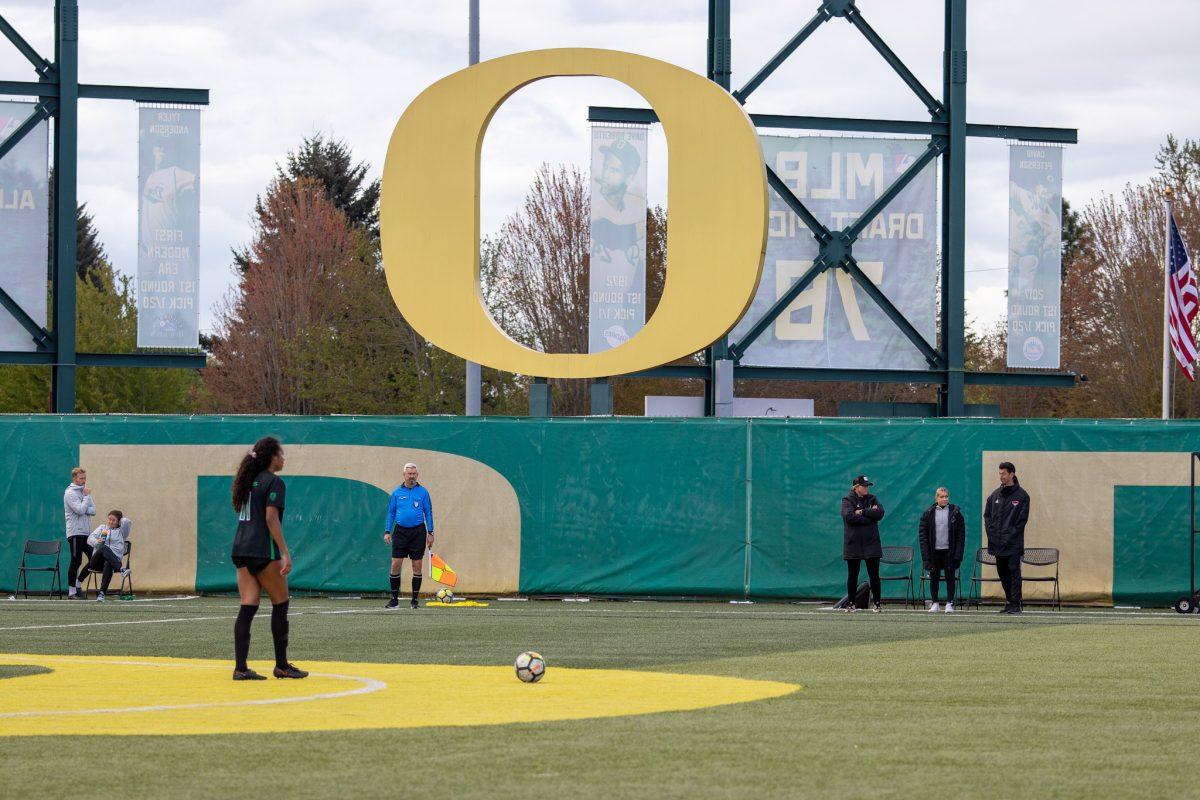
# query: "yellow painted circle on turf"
{"type": "Point", "coordinates": [144, 696]}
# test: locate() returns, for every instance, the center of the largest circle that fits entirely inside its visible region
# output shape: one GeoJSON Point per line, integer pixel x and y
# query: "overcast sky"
{"type": "Point", "coordinates": [279, 70]}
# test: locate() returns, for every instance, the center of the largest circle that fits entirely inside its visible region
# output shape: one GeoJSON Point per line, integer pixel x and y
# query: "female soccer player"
{"type": "Point", "coordinates": [261, 555]}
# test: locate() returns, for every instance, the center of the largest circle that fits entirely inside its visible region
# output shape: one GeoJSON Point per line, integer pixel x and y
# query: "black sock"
{"type": "Point", "coordinates": [241, 636]}
{"type": "Point", "coordinates": [416, 584]}
{"type": "Point", "coordinates": [279, 632]}
{"type": "Point", "coordinates": [395, 581]}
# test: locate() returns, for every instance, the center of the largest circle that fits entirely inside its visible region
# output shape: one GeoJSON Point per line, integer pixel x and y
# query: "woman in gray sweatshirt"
{"type": "Point", "coordinates": [78, 507]}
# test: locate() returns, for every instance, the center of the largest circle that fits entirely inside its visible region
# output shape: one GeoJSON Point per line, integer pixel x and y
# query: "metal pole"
{"type": "Point", "coordinates": [474, 377]}
{"type": "Point", "coordinates": [1166, 357]}
{"type": "Point", "coordinates": [955, 193]}
{"type": "Point", "coordinates": [720, 65]}
{"type": "Point", "coordinates": [66, 133]}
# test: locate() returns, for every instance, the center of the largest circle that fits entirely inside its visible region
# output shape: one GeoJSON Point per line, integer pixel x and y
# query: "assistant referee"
{"type": "Point", "coordinates": [409, 530]}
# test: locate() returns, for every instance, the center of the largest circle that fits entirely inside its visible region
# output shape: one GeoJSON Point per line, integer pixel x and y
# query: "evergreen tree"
{"type": "Point", "coordinates": [91, 262]}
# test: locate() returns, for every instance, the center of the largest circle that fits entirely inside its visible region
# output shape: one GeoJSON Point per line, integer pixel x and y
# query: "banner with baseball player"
{"type": "Point", "coordinates": [1034, 255]}
{"type": "Point", "coordinates": [168, 227]}
{"type": "Point", "coordinates": [833, 323]}
{"type": "Point", "coordinates": [24, 224]}
{"type": "Point", "coordinates": [617, 276]}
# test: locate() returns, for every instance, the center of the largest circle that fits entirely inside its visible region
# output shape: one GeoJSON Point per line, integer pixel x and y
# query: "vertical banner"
{"type": "Point", "coordinates": [617, 265]}
{"type": "Point", "coordinates": [24, 224]}
{"type": "Point", "coordinates": [168, 227]}
{"type": "Point", "coordinates": [834, 323]}
{"type": "Point", "coordinates": [1034, 255]}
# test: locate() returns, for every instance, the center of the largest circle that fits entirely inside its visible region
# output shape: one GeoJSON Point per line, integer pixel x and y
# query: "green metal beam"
{"type": "Point", "coordinates": [822, 16]}
{"type": "Point", "coordinates": [1025, 133]}
{"type": "Point", "coordinates": [149, 360]}
{"type": "Point", "coordinates": [894, 314]}
{"type": "Point", "coordinates": [1045, 380]}
{"type": "Point", "coordinates": [66, 150]}
{"type": "Point", "coordinates": [144, 94]}
{"type": "Point", "coordinates": [797, 206]}
{"type": "Point", "coordinates": [954, 209]}
{"type": "Point", "coordinates": [1042, 380]}
{"type": "Point", "coordinates": [738, 349]}
{"type": "Point", "coordinates": [41, 111]}
{"type": "Point", "coordinates": [932, 151]}
{"type": "Point", "coordinates": [28, 89]}
{"type": "Point", "coordinates": [932, 104]}
{"type": "Point", "coordinates": [154, 360]}
{"type": "Point", "coordinates": [41, 65]}
{"type": "Point", "coordinates": [41, 337]}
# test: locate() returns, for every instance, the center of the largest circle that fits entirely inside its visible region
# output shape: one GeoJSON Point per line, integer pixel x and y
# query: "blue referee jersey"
{"type": "Point", "coordinates": [409, 508]}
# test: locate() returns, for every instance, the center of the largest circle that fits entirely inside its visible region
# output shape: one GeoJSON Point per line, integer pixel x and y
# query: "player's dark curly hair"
{"type": "Point", "coordinates": [254, 462]}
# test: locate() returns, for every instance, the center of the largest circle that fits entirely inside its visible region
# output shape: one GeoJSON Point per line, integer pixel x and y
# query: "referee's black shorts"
{"type": "Point", "coordinates": [408, 542]}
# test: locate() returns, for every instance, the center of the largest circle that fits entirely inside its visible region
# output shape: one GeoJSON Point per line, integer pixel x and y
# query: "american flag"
{"type": "Point", "coordinates": [1182, 299]}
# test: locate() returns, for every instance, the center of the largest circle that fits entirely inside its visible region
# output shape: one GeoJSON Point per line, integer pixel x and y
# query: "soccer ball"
{"type": "Point", "coordinates": [445, 596]}
{"type": "Point", "coordinates": [530, 666]}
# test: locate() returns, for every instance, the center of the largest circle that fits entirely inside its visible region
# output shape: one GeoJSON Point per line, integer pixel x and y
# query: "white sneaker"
{"type": "Point", "coordinates": [125, 572]}
{"type": "Point", "coordinates": [100, 597]}
{"type": "Point", "coordinates": [949, 608]}
{"type": "Point", "coordinates": [933, 609]}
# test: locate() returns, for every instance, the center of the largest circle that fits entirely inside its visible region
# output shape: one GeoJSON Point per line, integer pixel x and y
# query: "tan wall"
{"type": "Point", "coordinates": [1071, 508]}
{"type": "Point", "coordinates": [476, 512]}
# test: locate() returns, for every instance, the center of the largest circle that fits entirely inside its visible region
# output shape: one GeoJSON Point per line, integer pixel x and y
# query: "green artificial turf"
{"type": "Point", "coordinates": [903, 704]}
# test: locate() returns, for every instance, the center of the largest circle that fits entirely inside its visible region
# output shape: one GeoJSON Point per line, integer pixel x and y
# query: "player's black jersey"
{"type": "Point", "coordinates": [253, 540]}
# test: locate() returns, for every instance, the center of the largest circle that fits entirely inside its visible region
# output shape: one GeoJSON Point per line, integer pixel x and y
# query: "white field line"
{"type": "Point", "coordinates": [124, 622]}
{"type": "Point", "coordinates": [12, 598]}
{"type": "Point", "coordinates": [368, 686]}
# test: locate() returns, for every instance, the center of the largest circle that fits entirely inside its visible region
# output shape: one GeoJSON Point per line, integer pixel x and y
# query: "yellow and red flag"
{"type": "Point", "coordinates": [440, 570]}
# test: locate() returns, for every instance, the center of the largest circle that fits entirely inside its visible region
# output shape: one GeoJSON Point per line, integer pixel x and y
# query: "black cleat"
{"type": "Point", "coordinates": [248, 675]}
{"type": "Point", "coordinates": [392, 605]}
{"type": "Point", "coordinates": [849, 608]}
{"type": "Point", "coordinates": [290, 671]}
{"type": "Point", "coordinates": [414, 603]}
{"type": "Point", "coordinates": [876, 609]}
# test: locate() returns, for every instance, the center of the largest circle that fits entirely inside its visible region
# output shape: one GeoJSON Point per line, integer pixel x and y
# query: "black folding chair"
{"type": "Point", "coordinates": [900, 556]}
{"type": "Point", "coordinates": [924, 581]}
{"type": "Point", "coordinates": [1043, 557]}
{"type": "Point", "coordinates": [982, 559]}
{"type": "Point", "coordinates": [40, 548]}
{"type": "Point", "coordinates": [127, 573]}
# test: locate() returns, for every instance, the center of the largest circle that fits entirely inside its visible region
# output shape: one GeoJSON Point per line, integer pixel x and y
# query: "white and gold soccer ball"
{"type": "Point", "coordinates": [530, 667]}
{"type": "Point", "coordinates": [445, 596]}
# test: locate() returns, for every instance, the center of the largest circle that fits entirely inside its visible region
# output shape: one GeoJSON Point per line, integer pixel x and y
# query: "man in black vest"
{"type": "Point", "coordinates": [1004, 516]}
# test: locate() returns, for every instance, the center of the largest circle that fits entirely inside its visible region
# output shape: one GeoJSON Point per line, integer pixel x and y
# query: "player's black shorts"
{"type": "Point", "coordinates": [408, 542]}
{"type": "Point", "coordinates": [254, 565]}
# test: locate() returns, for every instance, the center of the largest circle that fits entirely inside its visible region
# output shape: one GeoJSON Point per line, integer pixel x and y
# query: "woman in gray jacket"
{"type": "Point", "coordinates": [78, 507]}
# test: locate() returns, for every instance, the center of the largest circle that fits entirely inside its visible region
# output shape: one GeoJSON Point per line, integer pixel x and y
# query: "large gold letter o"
{"type": "Point", "coordinates": [716, 192]}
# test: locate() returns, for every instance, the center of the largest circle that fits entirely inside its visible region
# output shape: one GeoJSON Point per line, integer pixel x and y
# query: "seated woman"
{"type": "Point", "coordinates": [108, 545]}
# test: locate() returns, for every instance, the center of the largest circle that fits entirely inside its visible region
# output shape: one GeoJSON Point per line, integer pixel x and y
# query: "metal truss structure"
{"type": "Point", "coordinates": [58, 92]}
{"type": "Point", "coordinates": [947, 129]}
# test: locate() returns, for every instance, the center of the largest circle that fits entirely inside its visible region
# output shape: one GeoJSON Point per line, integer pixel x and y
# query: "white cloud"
{"type": "Point", "coordinates": [283, 69]}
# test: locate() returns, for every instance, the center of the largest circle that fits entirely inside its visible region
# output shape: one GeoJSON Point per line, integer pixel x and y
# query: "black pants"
{"type": "Point", "coordinates": [872, 576]}
{"type": "Point", "coordinates": [941, 564]}
{"type": "Point", "coordinates": [81, 553]}
{"type": "Point", "coordinates": [105, 562]}
{"type": "Point", "coordinates": [1009, 569]}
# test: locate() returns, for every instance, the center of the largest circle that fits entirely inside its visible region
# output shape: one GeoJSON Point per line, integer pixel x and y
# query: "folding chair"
{"type": "Point", "coordinates": [924, 581]}
{"type": "Point", "coordinates": [900, 556]}
{"type": "Point", "coordinates": [982, 559]}
{"type": "Point", "coordinates": [1043, 557]}
{"type": "Point", "coordinates": [127, 574]}
{"type": "Point", "coordinates": [40, 548]}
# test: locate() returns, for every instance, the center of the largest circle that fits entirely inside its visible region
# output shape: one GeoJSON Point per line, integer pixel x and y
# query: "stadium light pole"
{"type": "Point", "coordinates": [474, 378]}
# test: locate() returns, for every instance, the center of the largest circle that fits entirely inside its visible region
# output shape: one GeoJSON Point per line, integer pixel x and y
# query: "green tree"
{"type": "Point", "coordinates": [106, 323]}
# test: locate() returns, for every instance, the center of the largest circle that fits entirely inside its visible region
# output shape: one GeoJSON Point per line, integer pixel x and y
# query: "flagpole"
{"type": "Point", "coordinates": [1166, 356]}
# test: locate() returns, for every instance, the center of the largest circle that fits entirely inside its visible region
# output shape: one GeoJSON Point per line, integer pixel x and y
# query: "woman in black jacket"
{"type": "Point", "coordinates": [942, 534]}
{"type": "Point", "coordinates": [861, 512]}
